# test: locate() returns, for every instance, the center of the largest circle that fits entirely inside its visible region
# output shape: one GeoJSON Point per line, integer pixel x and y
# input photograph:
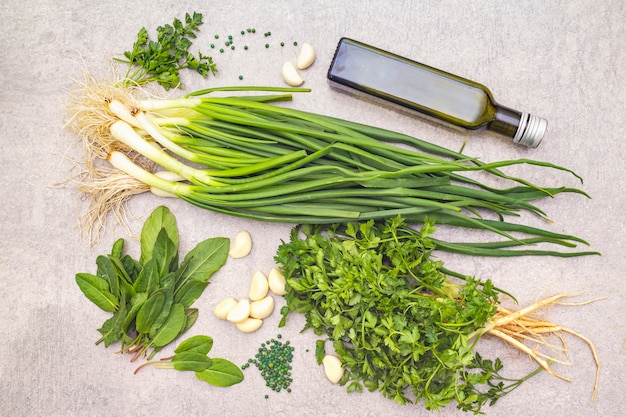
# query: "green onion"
{"type": "Point", "coordinates": [245, 156]}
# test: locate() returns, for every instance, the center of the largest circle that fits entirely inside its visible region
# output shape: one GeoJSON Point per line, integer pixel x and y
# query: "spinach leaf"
{"type": "Point", "coordinates": [189, 292]}
{"type": "Point", "coordinates": [148, 313]}
{"type": "Point", "coordinates": [148, 279]}
{"type": "Point", "coordinates": [107, 271]}
{"type": "Point", "coordinates": [96, 289]}
{"type": "Point", "coordinates": [198, 344]}
{"type": "Point", "coordinates": [165, 253]}
{"type": "Point", "coordinates": [221, 373]}
{"type": "Point", "coordinates": [112, 329]}
{"type": "Point", "coordinates": [161, 218]}
{"type": "Point", "coordinates": [170, 330]}
{"type": "Point", "coordinates": [118, 248]}
{"type": "Point", "coordinates": [202, 261]}
{"type": "Point", "coordinates": [191, 361]}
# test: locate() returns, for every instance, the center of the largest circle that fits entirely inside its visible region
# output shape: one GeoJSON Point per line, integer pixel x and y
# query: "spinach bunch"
{"type": "Point", "coordinates": [399, 325]}
{"type": "Point", "coordinates": [151, 298]}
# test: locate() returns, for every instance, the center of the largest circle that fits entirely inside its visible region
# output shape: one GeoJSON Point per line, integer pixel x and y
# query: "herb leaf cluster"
{"type": "Point", "coordinates": [162, 60]}
{"type": "Point", "coordinates": [399, 325]}
{"type": "Point", "coordinates": [151, 298]}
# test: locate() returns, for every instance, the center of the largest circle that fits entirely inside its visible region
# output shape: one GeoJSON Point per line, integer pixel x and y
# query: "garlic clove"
{"type": "Point", "coordinates": [333, 368]}
{"type": "Point", "coordinates": [259, 286]}
{"type": "Point", "coordinates": [241, 245]}
{"type": "Point", "coordinates": [291, 75]}
{"type": "Point", "coordinates": [262, 309]}
{"type": "Point", "coordinates": [224, 307]}
{"type": "Point", "coordinates": [240, 312]}
{"type": "Point", "coordinates": [306, 56]}
{"type": "Point", "coordinates": [249, 325]}
{"type": "Point", "coordinates": [276, 282]}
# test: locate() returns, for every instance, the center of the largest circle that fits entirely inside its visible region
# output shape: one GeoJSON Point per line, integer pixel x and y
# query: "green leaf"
{"type": "Point", "coordinates": [198, 344]}
{"type": "Point", "coordinates": [96, 289]}
{"type": "Point", "coordinates": [118, 248]}
{"type": "Point", "coordinates": [189, 292]}
{"type": "Point", "coordinates": [165, 253]}
{"type": "Point", "coordinates": [148, 313]}
{"type": "Point", "coordinates": [136, 303]}
{"type": "Point", "coordinates": [112, 329]}
{"type": "Point", "coordinates": [221, 373]}
{"type": "Point", "coordinates": [161, 218]}
{"type": "Point", "coordinates": [191, 361]}
{"type": "Point", "coordinates": [165, 311]}
{"type": "Point", "coordinates": [148, 279]}
{"type": "Point", "coordinates": [320, 351]}
{"type": "Point", "coordinates": [107, 271]}
{"type": "Point", "coordinates": [171, 328]}
{"type": "Point", "coordinates": [191, 315]}
{"type": "Point", "coordinates": [202, 261]}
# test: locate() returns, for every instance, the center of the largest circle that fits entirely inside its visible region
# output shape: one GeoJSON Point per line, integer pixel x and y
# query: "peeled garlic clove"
{"type": "Point", "coordinates": [276, 281]}
{"type": "Point", "coordinates": [249, 325]}
{"type": "Point", "coordinates": [333, 368]}
{"type": "Point", "coordinates": [240, 312]}
{"type": "Point", "coordinates": [258, 287]}
{"type": "Point", "coordinates": [263, 308]}
{"type": "Point", "coordinates": [306, 56]}
{"type": "Point", "coordinates": [290, 74]}
{"type": "Point", "coordinates": [224, 307]}
{"type": "Point", "coordinates": [241, 245]}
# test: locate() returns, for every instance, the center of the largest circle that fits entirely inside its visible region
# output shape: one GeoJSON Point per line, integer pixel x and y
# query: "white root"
{"type": "Point", "coordinates": [517, 327]}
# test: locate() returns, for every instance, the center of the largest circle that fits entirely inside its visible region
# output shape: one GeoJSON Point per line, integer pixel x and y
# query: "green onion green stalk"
{"type": "Point", "coordinates": [246, 156]}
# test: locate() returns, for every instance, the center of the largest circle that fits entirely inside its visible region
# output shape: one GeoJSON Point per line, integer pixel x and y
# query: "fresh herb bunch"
{"type": "Point", "coordinates": [191, 355]}
{"type": "Point", "coordinates": [162, 60]}
{"type": "Point", "coordinates": [397, 323]}
{"type": "Point", "coordinates": [151, 298]}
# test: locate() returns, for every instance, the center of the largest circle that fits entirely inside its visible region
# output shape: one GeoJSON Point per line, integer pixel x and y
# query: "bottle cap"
{"type": "Point", "coordinates": [531, 130]}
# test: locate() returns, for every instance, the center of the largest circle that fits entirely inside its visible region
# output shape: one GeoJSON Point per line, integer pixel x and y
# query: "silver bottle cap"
{"type": "Point", "coordinates": [531, 130]}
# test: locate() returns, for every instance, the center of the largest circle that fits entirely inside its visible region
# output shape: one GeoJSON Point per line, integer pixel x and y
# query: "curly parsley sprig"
{"type": "Point", "coordinates": [162, 60]}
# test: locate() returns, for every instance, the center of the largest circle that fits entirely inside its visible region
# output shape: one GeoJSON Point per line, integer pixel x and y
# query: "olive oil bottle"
{"type": "Point", "coordinates": [406, 85]}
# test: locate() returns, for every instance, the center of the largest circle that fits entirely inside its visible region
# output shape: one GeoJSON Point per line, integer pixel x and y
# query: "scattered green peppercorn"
{"type": "Point", "coordinates": [253, 30]}
{"type": "Point", "coordinates": [282, 44]}
{"type": "Point", "coordinates": [245, 47]}
{"type": "Point", "coordinates": [217, 36]}
{"type": "Point", "coordinates": [295, 44]}
{"type": "Point", "coordinates": [212, 45]}
{"type": "Point", "coordinates": [243, 32]}
{"type": "Point", "coordinates": [232, 47]}
{"type": "Point", "coordinates": [221, 50]}
{"type": "Point", "coordinates": [267, 45]}
{"type": "Point", "coordinates": [227, 43]}
{"type": "Point", "coordinates": [273, 360]}
{"type": "Point", "coordinates": [266, 396]}
{"type": "Point", "coordinates": [230, 37]}
{"type": "Point", "coordinates": [241, 77]}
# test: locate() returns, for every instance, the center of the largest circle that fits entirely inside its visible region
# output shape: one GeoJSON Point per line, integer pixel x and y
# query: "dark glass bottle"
{"type": "Point", "coordinates": [407, 85]}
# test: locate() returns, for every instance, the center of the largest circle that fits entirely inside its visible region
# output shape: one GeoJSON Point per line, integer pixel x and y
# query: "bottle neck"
{"type": "Point", "coordinates": [524, 128]}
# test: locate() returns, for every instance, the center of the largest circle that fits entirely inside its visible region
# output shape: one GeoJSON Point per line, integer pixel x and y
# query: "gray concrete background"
{"type": "Point", "coordinates": [563, 60]}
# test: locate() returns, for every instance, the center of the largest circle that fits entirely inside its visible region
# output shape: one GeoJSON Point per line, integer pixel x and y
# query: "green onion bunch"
{"type": "Point", "coordinates": [245, 156]}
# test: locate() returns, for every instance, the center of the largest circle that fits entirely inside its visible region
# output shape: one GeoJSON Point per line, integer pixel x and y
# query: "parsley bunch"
{"type": "Point", "coordinates": [161, 60]}
{"type": "Point", "coordinates": [397, 323]}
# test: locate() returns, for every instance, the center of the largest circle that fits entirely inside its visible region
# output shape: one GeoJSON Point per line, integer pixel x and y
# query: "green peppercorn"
{"type": "Point", "coordinates": [267, 45]}
{"type": "Point", "coordinates": [241, 77]}
{"type": "Point", "coordinates": [217, 36]}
